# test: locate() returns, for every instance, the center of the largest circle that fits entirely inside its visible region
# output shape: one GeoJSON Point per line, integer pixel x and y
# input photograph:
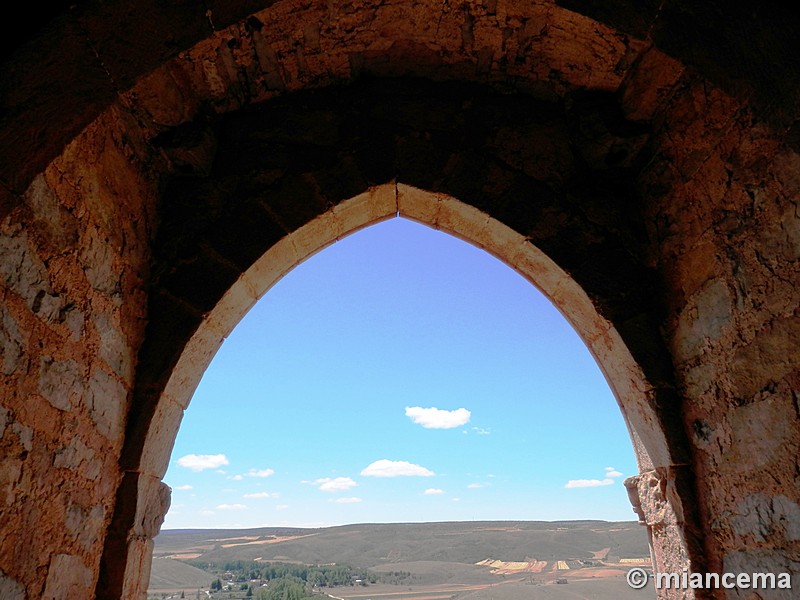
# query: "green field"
{"type": "Point", "coordinates": [416, 561]}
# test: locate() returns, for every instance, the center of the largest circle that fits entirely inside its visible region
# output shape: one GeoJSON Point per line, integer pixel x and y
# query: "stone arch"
{"type": "Point", "coordinates": [217, 225]}
{"type": "Point", "coordinates": [682, 120]}
{"type": "Point", "coordinates": [626, 378]}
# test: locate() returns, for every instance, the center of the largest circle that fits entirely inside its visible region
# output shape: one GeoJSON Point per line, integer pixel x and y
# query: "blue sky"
{"type": "Point", "coordinates": [400, 375]}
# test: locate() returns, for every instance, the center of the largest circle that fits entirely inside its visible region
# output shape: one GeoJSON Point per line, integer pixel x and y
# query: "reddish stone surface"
{"type": "Point", "coordinates": [648, 154]}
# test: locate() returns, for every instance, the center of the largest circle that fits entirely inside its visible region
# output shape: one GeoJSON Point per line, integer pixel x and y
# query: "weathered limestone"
{"type": "Point", "coordinates": [649, 498]}
{"type": "Point", "coordinates": [641, 166]}
{"type": "Point", "coordinates": [11, 589]}
{"type": "Point", "coordinates": [67, 578]}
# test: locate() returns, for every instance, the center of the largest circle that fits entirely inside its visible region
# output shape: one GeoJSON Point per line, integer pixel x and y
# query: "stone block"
{"type": "Point", "coordinates": [21, 269]}
{"type": "Point", "coordinates": [762, 517]}
{"type": "Point", "coordinates": [98, 260]}
{"type": "Point", "coordinates": [766, 560]}
{"type": "Point", "coordinates": [68, 578]}
{"type": "Point", "coordinates": [750, 450]}
{"type": "Point", "coordinates": [773, 354]}
{"type": "Point", "coordinates": [78, 457]}
{"type": "Point", "coordinates": [59, 226]}
{"type": "Point", "coordinates": [85, 524]}
{"type": "Point", "coordinates": [137, 569]}
{"type": "Point", "coordinates": [11, 589]}
{"type": "Point", "coordinates": [152, 506]}
{"type": "Point", "coordinates": [59, 381]}
{"type": "Point", "coordinates": [702, 321]}
{"type": "Point", "coordinates": [115, 348]}
{"type": "Point", "coordinates": [10, 345]}
{"type": "Point", "coordinates": [108, 403]}
{"type": "Point", "coordinates": [161, 437]}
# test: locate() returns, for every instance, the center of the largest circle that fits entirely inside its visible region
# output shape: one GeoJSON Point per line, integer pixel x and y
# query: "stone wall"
{"type": "Point", "coordinates": [75, 259]}
{"type": "Point", "coordinates": [726, 219]}
{"type": "Point", "coordinates": [660, 177]}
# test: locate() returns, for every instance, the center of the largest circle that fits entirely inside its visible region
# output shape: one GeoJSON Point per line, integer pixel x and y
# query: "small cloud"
{"type": "Point", "coordinates": [612, 472]}
{"type": "Point", "coordinates": [433, 492]}
{"type": "Point", "coordinates": [236, 477]}
{"type": "Point", "coordinates": [352, 500]}
{"type": "Point", "coordinates": [182, 488]}
{"type": "Point", "coordinates": [259, 495]}
{"type": "Point", "coordinates": [482, 431]}
{"type": "Point", "coordinates": [206, 513]}
{"type": "Point", "coordinates": [395, 468]}
{"type": "Point", "coordinates": [260, 473]}
{"type": "Point", "coordinates": [456, 499]}
{"type": "Point", "coordinates": [476, 486]}
{"type": "Point", "coordinates": [200, 462]}
{"type": "Point", "coordinates": [231, 507]}
{"type": "Point", "coordinates": [337, 484]}
{"type": "Point", "coordinates": [281, 507]}
{"type": "Point", "coordinates": [587, 483]}
{"type": "Point", "coordinates": [434, 418]}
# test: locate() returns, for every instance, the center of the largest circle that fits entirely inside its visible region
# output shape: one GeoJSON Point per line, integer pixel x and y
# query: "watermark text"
{"type": "Point", "coordinates": [685, 580]}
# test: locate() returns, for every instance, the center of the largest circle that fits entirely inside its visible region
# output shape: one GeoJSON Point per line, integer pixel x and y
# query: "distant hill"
{"type": "Point", "coordinates": [369, 545]}
{"type": "Point", "coordinates": [173, 574]}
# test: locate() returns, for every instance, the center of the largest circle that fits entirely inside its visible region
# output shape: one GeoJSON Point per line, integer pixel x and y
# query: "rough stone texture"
{"type": "Point", "coordinates": [67, 578]}
{"type": "Point", "coordinates": [74, 256]}
{"type": "Point", "coordinates": [59, 382]}
{"type": "Point", "coordinates": [649, 497]}
{"type": "Point", "coordinates": [107, 399]}
{"type": "Point", "coordinates": [10, 341]}
{"type": "Point", "coordinates": [155, 182]}
{"type": "Point", "coordinates": [10, 589]}
{"type": "Point", "coordinates": [763, 561]}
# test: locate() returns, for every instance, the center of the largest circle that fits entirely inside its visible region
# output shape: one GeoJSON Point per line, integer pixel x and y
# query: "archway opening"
{"type": "Point", "coordinates": [400, 376]}
{"type": "Point", "coordinates": [400, 343]}
{"type": "Point", "coordinates": [627, 380]}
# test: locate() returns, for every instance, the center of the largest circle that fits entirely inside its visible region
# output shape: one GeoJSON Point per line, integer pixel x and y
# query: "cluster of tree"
{"type": "Point", "coordinates": [286, 588]}
{"type": "Point", "coordinates": [314, 575]}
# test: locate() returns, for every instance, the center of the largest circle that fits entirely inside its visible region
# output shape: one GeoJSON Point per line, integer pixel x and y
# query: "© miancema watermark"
{"type": "Point", "coordinates": [638, 578]}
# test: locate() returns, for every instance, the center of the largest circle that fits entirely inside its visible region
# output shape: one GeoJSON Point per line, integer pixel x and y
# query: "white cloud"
{"type": "Point", "coordinates": [260, 473]}
{"type": "Point", "coordinates": [206, 513]}
{"type": "Point", "coordinates": [433, 492]}
{"type": "Point", "coordinates": [476, 486]}
{"type": "Point", "coordinates": [258, 495]}
{"type": "Point", "coordinates": [482, 431]}
{"type": "Point", "coordinates": [182, 488]}
{"type": "Point", "coordinates": [395, 468]}
{"type": "Point", "coordinates": [434, 418]}
{"type": "Point", "coordinates": [231, 507]}
{"type": "Point", "coordinates": [281, 507]}
{"type": "Point", "coordinates": [612, 472]}
{"type": "Point", "coordinates": [236, 477]}
{"type": "Point", "coordinates": [352, 500]}
{"type": "Point", "coordinates": [586, 483]}
{"type": "Point", "coordinates": [199, 462]}
{"type": "Point", "coordinates": [336, 484]}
